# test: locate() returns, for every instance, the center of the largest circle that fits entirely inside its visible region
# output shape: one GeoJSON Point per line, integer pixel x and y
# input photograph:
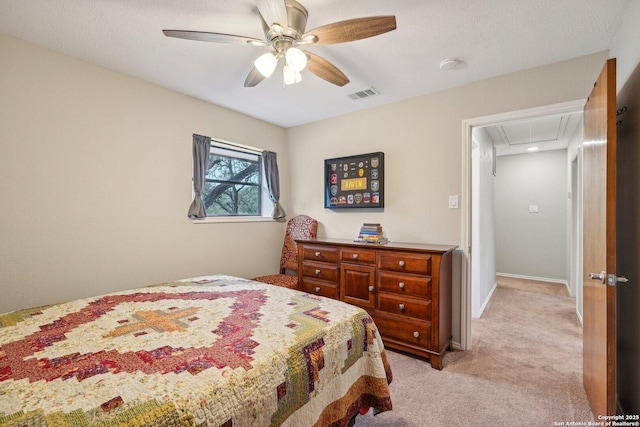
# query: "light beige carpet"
{"type": "Point", "coordinates": [551, 288]}
{"type": "Point", "coordinates": [525, 369]}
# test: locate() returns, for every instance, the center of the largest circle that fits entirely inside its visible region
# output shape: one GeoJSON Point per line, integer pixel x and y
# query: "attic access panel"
{"type": "Point", "coordinates": [354, 182]}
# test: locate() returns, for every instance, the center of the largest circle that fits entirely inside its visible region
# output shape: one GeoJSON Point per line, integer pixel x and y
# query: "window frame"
{"type": "Point", "coordinates": [265, 205]}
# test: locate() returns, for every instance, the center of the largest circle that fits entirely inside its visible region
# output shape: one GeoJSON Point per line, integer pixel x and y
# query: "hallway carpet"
{"type": "Point", "coordinates": [525, 369]}
{"type": "Point", "coordinates": [551, 288]}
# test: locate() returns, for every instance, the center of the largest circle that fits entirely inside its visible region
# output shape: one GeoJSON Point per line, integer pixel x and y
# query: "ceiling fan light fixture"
{"type": "Point", "coordinates": [284, 23]}
{"type": "Point", "coordinates": [296, 59]}
{"type": "Point", "coordinates": [291, 76]}
{"type": "Point", "coordinates": [277, 29]}
{"type": "Point", "coordinates": [309, 39]}
{"type": "Point", "coordinates": [266, 64]}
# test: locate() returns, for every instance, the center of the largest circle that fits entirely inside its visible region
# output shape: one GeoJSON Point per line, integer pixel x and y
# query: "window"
{"type": "Point", "coordinates": [233, 182]}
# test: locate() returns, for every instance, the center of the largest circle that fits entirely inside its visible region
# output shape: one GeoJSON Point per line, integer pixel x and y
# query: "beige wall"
{"type": "Point", "coordinates": [625, 46]}
{"type": "Point", "coordinates": [421, 139]}
{"type": "Point", "coordinates": [95, 172]}
{"type": "Point", "coordinates": [95, 178]}
{"type": "Point", "coordinates": [532, 244]}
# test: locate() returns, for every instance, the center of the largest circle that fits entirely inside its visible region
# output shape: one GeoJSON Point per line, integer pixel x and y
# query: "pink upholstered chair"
{"type": "Point", "coordinates": [299, 227]}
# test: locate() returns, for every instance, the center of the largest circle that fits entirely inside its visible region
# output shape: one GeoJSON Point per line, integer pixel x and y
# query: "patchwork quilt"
{"type": "Point", "coordinates": [207, 351]}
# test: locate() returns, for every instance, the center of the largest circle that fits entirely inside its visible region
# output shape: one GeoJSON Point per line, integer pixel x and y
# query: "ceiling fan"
{"type": "Point", "coordinates": [284, 24]}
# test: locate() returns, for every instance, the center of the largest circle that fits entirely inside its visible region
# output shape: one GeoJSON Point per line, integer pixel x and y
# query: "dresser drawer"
{"type": "Point", "coordinates": [320, 270]}
{"type": "Point", "coordinates": [318, 287]}
{"type": "Point", "coordinates": [405, 331]}
{"type": "Point", "coordinates": [405, 262]}
{"type": "Point", "coordinates": [406, 306]}
{"type": "Point", "coordinates": [404, 284]}
{"type": "Point", "coordinates": [320, 253]}
{"type": "Point", "coordinates": [358, 256]}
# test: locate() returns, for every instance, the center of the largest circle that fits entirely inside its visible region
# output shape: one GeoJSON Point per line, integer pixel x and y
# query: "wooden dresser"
{"type": "Point", "coordinates": [405, 287]}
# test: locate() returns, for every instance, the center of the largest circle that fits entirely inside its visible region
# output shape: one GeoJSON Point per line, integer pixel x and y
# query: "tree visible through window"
{"type": "Point", "coordinates": [232, 183]}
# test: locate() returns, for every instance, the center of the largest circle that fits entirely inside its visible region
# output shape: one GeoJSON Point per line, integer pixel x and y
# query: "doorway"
{"type": "Point", "coordinates": [473, 253]}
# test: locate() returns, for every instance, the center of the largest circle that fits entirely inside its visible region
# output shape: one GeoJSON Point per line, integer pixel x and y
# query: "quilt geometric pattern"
{"type": "Point", "coordinates": [214, 350]}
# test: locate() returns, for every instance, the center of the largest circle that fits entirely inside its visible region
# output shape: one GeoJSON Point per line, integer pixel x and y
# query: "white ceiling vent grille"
{"type": "Point", "coordinates": [366, 93]}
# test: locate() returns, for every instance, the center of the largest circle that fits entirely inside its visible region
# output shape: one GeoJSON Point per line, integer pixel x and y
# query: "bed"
{"type": "Point", "coordinates": [206, 351]}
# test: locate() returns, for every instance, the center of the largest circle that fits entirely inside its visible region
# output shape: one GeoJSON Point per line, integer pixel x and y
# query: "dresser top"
{"type": "Point", "coordinates": [420, 247]}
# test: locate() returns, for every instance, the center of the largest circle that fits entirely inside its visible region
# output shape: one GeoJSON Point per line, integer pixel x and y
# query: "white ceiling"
{"type": "Point", "coordinates": [544, 133]}
{"type": "Point", "coordinates": [491, 37]}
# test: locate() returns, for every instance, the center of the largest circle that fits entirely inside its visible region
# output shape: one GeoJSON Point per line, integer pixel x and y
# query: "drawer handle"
{"type": "Point", "coordinates": [371, 288]}
{"type": "Point", "coordinates": [317, 253]}
{"type": "Point", "coordinates": [401, 285]}
{"type": "Point", "coordinates": [401, 263]}
{"type": "Point", "coordinates": [355, 256]}
{"type": "Point", "coordinates": [401, 307]}
{"type": "Point", "coordinates": [416, 334]}
{"type": "Point", "coordinates": [317, 288]}
{"type": "Point", "coordinates": [317, 271]}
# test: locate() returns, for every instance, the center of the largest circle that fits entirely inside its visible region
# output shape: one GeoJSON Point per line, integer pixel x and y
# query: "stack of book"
{"type": "Point", "coordinates": [371, 233]}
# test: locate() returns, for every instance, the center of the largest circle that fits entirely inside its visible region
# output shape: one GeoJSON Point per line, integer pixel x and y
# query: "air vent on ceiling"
{"type": "Point", "coordinates": [366, 93]}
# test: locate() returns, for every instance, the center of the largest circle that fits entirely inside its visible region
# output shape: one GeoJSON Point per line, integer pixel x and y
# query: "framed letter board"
{"type": "Point", "coordinates": [354, 181]}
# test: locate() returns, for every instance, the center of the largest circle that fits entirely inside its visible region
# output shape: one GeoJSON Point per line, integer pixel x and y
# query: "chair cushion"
{"type": "Point", "coordinates": [283, 280]}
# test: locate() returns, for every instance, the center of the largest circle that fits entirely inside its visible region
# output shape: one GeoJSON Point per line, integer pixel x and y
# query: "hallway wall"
{"type": "Point", "coordinates": [532, 244]}
{"type": "Point", "coordinates": [483, 240]}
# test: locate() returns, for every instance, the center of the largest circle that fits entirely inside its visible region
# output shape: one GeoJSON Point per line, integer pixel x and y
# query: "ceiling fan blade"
{"type": "Point", "coordinates": [274, 12]}
{"type": "Point", "coordinates": [325, 70]}
{"type": "Point", "coordinates": [254, 78]}
{"type": "Point", "coordinates": [351, 30]}
{"type": "Point", "coordinates": [204, 36]}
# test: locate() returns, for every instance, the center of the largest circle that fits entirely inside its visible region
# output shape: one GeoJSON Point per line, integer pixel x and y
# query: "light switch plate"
{"type": "Point", "coordinates": [453, 202]}
{"type": "Point", "coordinates": [533, 208]}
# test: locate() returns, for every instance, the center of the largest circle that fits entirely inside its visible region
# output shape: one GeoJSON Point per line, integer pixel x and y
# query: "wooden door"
{"type": "Point", "coordinates": [599, 178]}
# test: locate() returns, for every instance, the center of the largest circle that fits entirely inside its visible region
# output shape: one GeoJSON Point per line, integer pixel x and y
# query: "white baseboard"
{"type": "Point", "coordinates": [456, 345]}
{"type": "Point", "coordinates": [579, 317]}
{"type": "Point", "coordinates": [487, 299]}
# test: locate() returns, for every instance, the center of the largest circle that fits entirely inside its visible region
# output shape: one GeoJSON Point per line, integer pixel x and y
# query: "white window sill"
{"type": "Point", "coordinates": [215, 220]}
